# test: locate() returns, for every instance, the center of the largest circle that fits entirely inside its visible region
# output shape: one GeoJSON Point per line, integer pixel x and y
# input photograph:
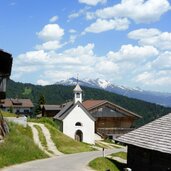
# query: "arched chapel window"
{"type": "Point", "coordinates": [78, 124]}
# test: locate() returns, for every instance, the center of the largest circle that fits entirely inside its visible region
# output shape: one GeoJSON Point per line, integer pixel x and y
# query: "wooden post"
{"type": "Point", "coordinates": [103, 152]}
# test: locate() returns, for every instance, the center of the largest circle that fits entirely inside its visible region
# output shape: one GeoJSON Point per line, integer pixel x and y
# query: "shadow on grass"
{"type": "Point", "coordinates": [119, 165]}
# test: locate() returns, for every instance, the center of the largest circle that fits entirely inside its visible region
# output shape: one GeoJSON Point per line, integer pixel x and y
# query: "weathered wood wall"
{"type": "Point", "coordinates": [140, 159]}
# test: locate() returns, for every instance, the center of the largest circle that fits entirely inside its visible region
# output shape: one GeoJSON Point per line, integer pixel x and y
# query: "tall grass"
{"type": "Point", "coordinates": [19, 147]}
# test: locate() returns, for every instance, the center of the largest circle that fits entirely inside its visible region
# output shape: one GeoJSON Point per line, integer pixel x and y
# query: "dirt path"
{"type": "Point", "coordinates": [50, 144]}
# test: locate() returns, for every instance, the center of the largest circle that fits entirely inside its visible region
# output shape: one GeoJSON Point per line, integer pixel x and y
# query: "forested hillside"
{"type": "Point", "coordinates": [58, 94]}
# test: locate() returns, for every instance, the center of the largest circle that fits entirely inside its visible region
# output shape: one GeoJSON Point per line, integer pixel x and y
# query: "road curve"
{"type": "Point", "coordinates": [71, 162]}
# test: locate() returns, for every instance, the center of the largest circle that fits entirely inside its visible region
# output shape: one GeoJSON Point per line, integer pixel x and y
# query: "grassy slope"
{"type": "Point", "coordinates": [19, 147]}
{"type": "Point", "coordinates": [66, 144]}
{"type": "Point", "coordinates": [7, 114]}
{"type": "Point", "coordinates": [103, 164]}
{"type": "Point", "coordinates": [44, 120]}
{"type": "Point", "coordinates": [63, 143]}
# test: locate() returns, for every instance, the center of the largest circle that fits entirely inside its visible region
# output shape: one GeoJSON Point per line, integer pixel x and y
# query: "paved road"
{"type": "Point", "coordinates": [72, 162]}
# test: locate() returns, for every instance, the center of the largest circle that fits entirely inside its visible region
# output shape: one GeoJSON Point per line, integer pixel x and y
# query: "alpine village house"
{"type": "Point", "coordinates": [18, 106]}
{"type": "Point", "coordinates": [81, 120]}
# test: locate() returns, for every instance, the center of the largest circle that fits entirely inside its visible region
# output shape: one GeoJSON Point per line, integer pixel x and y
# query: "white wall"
{"type": "Point", "coordinates": [20, 120]}
{"type": "Point", "coordinates": [87, 128]}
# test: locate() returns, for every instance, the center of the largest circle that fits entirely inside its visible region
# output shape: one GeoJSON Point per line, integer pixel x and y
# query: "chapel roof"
{"type": "Point", "coordinates": [77, 88]}
{"type": "Point", "coordinates": [68, 108]}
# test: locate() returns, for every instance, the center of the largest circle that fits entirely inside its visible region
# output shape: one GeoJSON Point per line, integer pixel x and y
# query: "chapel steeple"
{"type": "Point", "coordinates": [77, 93]}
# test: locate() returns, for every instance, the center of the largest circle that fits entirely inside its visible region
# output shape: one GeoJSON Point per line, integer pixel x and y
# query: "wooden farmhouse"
{"type": "Point", "coordinates": [149, 147]}
{"type": "Point", "coordinates": [81, 120]}
{"type": "Point", "coordinates": [111, 119]}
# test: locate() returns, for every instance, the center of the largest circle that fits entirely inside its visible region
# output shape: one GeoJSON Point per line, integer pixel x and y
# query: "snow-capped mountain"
{"type": "Point", "coordinates": [150, 96]}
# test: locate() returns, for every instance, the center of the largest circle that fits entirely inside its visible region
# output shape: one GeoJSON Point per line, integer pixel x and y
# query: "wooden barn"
{"type": "Point", "coordinates": [149, 147]}
{"type": "Point", "coordinates": [50, 110]}
{"type": "Point", "coordinates": [111, 120]}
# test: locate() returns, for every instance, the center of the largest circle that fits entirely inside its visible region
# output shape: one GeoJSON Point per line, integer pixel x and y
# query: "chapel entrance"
{"type": "Point", "coordinates": [79, 136]}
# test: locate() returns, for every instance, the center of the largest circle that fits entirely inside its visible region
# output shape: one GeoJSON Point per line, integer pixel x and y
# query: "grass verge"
{"type": "Point", "coordinates": [122, 155]}
{"type": "Point", "coordinates": [103, 164]}
{"type": "Point", "coordinates": [66, 144]}
{"type": "Point", "coordinates": [19, 147]}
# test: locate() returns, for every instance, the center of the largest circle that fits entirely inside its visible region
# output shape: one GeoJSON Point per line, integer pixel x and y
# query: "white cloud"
{"type": "Point", "coordinates": [52, 66]}
{"type": "Point", "coordinates": [32, 58]}
{"type": "Point", "coordinates": [53, 19]}
{"type": "Point", "coordinates": [50, 45]}
{"type": "Point", "coordinates": [54, 76]}
{"type": "Point", "coordinates": [143, 33]}
{"type": "Point", "coordinates": [133, 53]}
{"type": "Point", "coordinates": [79, 13]}
{"type": "Point", "coordinates": [70, 61]}
{"type": "Point", "coordinates": [163, 62]}
{"type": "Point", "coordinates": [153, 37]}
{"type": "Point", "coordinates": [42, 82]}
{"type": "Point", "coordinates": [51, 32]}
{"type": "Point", "coordinates": [105, 25]}
{"type": "Point", "coordinates": [140, 11]}
{"type": "Point", "coordinates": [157, 74]}
{"type": "Point", "coordinates": [154, 79]}
{"type": "Point", "coordinates": [92, 2]}
{"type": "Point", "coordinates": [107, 67]}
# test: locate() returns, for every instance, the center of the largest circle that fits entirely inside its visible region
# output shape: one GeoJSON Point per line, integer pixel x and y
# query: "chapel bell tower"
{"type": "Point", "coordinates": [77, 94]}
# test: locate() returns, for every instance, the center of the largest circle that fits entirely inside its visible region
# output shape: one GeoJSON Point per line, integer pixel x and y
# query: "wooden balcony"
{"type": "Point", "coordinates": [105, 132]}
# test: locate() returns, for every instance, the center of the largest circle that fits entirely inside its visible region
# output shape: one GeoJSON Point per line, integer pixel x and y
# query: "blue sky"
{"type": "Point", "coordinates": [127, 42]}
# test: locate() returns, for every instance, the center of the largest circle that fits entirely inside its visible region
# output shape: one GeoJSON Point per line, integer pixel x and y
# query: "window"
{"type": "Point", "coordinates": [100, 109]}
{"type": "Point", "coordinates": [17, 111]}
{"type": "Point", "coordinates": [78, 95]}
{"type": "Point", "coordinates": [78, 124]}
{"type": "Point", "coordinates": [26, 111]}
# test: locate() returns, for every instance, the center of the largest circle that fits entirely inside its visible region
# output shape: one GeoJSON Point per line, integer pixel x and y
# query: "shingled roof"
{"type": "Point", "coordinates": [92, 104]}
{"type": "Point", "coordinates": [51, 107]}
{"type": "Point", "coordinates": [18, 103]}
{"type": "Point", "coordinates": [155, 135]}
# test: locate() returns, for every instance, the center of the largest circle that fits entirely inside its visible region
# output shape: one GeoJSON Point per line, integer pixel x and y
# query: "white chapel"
{"type": "Point", "coordinates": [76, 121]}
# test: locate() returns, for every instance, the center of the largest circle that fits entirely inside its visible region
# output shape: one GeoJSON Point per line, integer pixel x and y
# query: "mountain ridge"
{"type": "Point", "coordinates": [137, 93]}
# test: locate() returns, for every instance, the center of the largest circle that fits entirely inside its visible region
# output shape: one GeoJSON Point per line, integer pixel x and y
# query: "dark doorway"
{"type": "Point", "coordinates": [79, 136]}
